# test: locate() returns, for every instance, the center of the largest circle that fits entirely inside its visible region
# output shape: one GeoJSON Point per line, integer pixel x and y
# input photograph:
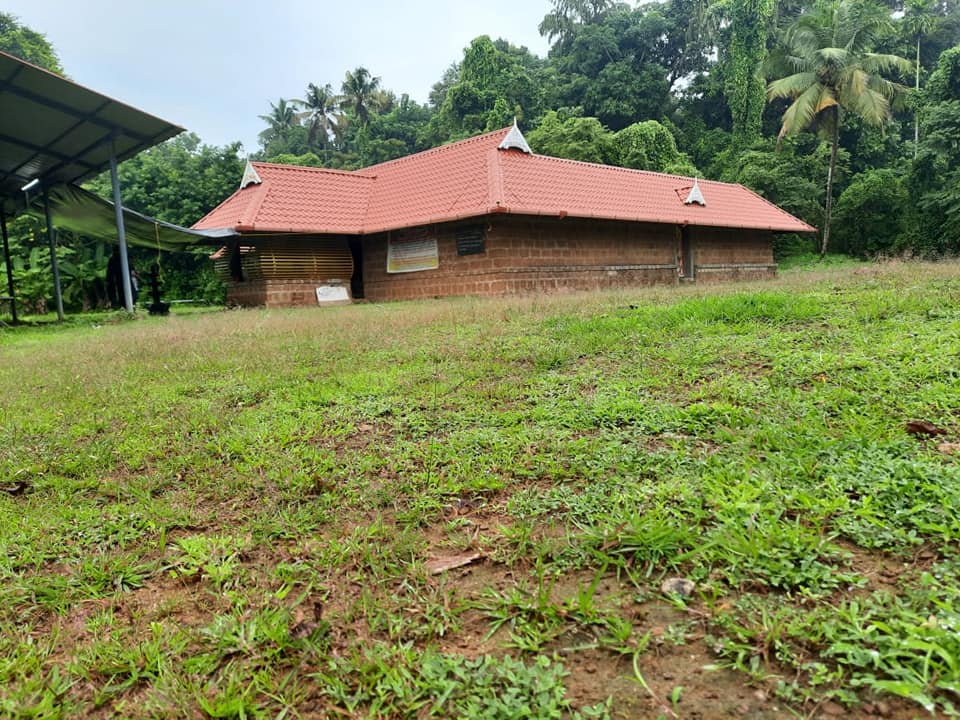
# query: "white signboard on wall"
{"type": "Point", "coordinates": [412, 251]}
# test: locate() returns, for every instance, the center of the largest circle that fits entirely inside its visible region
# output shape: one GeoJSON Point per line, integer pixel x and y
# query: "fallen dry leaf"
{"type": "Point", "coordinates": [922, 427]}
{"type": "Point", "coordinates": [441, 565]}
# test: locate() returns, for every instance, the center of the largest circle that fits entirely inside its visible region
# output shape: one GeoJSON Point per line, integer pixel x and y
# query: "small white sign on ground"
{"type": "Point", "coordinates": [332, 295]}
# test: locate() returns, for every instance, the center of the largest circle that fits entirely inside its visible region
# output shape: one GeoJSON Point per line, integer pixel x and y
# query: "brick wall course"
{"type": "Point", "coordinates": [529, 255]}
{"type": "Point", "coordinates": [274, 293]}
{"type": "Point", "coordinates": [525, 255]}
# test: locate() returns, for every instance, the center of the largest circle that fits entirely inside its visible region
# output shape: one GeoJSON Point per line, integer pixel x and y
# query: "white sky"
{"type": "Point", "coordinates": [213, 66]}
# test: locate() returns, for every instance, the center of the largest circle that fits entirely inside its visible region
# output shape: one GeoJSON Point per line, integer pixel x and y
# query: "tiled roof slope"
{"type": "Point", "coordinates": [472, 178]}
{"type": "Point", "coordinates": [542, 185]}
{"type": "Point", "coordinates": [446, 183]}
{"type": "Point", "coordinates": [295, 199]}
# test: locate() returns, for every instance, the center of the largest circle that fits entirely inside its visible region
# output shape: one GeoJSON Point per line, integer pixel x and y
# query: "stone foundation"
{"type": "Point", "coordinates": [276, 293]}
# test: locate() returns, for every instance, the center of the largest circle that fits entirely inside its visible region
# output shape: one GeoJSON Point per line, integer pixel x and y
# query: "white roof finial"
{"type": "Point", "coordinates": [514, 140]}
{"type": "Point", "coordinates": [250, 176]}
{"type": "Point", "coordinates": [695, 195]}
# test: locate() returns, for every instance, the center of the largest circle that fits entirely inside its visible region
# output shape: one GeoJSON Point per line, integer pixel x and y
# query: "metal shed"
{"type": "Point", "coordinates": [54, 134]}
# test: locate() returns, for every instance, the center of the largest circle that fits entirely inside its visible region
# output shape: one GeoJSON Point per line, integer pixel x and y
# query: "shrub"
{"type": "Point", "coordinates": [869, 214]}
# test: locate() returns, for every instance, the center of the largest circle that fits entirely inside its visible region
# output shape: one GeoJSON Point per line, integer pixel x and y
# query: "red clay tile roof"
{"type": "Point", "coordinates": [472, 178]}
{"type": "Point", "coordinates": [295, 199]}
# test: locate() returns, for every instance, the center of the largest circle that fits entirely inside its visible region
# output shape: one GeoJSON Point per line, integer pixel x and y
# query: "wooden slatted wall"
{"type": "Point", "coordinates": [302, 257]}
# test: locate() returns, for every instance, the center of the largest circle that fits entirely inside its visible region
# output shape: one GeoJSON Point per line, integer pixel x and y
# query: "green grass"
{"type": "Point", "coordinates": [232, 514]}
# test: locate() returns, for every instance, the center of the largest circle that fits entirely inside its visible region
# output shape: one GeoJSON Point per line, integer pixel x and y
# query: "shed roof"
{"type": "Point", "coordinates": [57, 131]}
{"type": "Point", "coordinates": [477, 177]}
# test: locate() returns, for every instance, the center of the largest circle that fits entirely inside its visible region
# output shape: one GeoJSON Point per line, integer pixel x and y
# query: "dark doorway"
{"type": "Point", "coordinates": [356, 282]}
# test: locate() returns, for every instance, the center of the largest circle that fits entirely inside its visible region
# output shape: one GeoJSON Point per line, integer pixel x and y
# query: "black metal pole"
{"type": "Point", "coordinates": [6, 259]}
{"type": "Point", "coordinates": [58, 294]}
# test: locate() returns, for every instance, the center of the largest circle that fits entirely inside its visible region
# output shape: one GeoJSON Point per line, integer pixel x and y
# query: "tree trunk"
{"type": "Point", "coordinates": [916, 111]}
{"type": "Point", "coordinates": [833, 163]}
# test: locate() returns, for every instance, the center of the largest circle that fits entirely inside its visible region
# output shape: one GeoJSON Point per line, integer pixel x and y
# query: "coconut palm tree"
{"type": "Point", "coordinates": [321, 110]}
{"type": "Point", "coordinates": [360, 90]}
{"type": "Point", "coordinates": [827, 69]}
{"type": "Point", "coordinates": [281, 119]}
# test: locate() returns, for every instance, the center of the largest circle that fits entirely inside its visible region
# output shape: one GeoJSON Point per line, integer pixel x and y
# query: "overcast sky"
{"type": "Point", "coordinates": [213, 66]}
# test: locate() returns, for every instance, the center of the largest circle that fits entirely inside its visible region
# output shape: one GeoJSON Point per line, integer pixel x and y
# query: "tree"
{"type": "Point", "coordinates": [282, 118]}
{"type": "Point", "coordinates": [789, 174]}
{"type": "Point", "coordinates": [827, 53]}
{"type": "Point", "coordinates": [360, 93]}
{"type": "Point", "coordinates": [870, 212]}
{"type": "Point", "coordinates": [919, 19]}
{"type": "Point", "coordinates": [934, 179]}
{"type": "Point", "coordinates": [560, 23]}
{"type": "Point", "coordinates": [750, 22]}
{"type": "Point", "coordinates": [321, 112]}
{"type": "Point", "coordinates": [650, 146]}
{"type": "Point", "coordinates": [496, 82]}
{"type": "Point", "coordinates": [396, 133]}
{"type": "Point", "coordinates": [567, 134]}
{"type": "Point", "coordinates": [27, 44]}
{"type": "Point", "coordinates": [439, 90]}
{"type": "Point", "coordinates": [620, 66]}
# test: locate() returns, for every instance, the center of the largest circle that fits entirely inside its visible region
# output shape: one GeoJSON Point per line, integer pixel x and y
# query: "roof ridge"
{"type": "Point", "coordinates": [495, 194]}
{"type": "Point", "coordinates": [249, 218]}
{"type": "Point", "coordinates": [620, 168]}
{"type": "Point", "coordinates": [432, 151]}
{"type": "Point", "coordinates": [308, 168]}
{"type": "Point", "coordinates": [365, 215]}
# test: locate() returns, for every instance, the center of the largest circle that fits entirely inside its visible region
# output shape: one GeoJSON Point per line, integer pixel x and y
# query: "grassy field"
{"type": "Point", "coordinates": [469, 508]}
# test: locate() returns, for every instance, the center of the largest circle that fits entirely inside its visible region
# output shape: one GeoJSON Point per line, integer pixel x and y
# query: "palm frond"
{"type": "Point", "coordinates": [826, 100]}
{"type": "Point", "coordinates": [870, 105]}
{"type": "Point", "coordinates": [805, 108]}
{"type": "Point", "coordinates": [854, 83]}
{"type": "Point", "coordinates": [834, 56]}
{"type": "Point", "coordinates": [888, 88]}
{"type": "Point", "coordinates": [881, 62]}
{"type": "Point", "coordinates": [791, 86]}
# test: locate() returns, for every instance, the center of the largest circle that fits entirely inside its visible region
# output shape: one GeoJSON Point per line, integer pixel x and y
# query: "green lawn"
{"type": "Point", "coordinates": [246, 514]}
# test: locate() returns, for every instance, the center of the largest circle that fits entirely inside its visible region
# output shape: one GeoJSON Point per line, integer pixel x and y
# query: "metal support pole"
{"type": "Point", "coordinates": [58, 294]}
{"type": "Point", "coordinates": [6, 259]}
{"type": "Point", "coordinates": [121, 231]}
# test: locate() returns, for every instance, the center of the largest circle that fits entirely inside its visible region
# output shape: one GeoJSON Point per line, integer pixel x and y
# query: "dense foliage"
{"type": "Point", "coordinates": [805, 101]}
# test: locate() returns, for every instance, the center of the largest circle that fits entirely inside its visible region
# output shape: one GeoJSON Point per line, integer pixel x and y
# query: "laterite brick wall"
{"type": "Point", "coordinates": [531, 255]}
{"type": "Point", "coordinates": [722, 255]}
{"type": "Point", "coordinates": [540, 255]}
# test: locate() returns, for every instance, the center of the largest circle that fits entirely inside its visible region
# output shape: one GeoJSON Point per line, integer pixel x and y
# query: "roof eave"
{"type": "Point", "coordinates": [496, 210]}
{"type": "Point", "coordinates": [562, 213]}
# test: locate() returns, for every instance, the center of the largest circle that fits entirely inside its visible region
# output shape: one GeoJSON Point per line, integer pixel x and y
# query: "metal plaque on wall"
{"type": "Point", "coordinates": [470, 240]}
